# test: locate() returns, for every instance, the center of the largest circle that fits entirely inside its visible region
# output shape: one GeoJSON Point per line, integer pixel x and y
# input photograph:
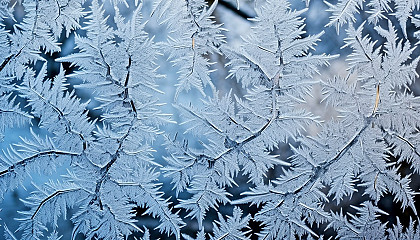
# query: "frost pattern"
{"type": "Point", "coordinates": [109, 159]}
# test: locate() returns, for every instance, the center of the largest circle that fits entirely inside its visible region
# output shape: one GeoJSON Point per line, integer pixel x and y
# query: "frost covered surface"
{"type": "Point", "coordinates": [227, 150]}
